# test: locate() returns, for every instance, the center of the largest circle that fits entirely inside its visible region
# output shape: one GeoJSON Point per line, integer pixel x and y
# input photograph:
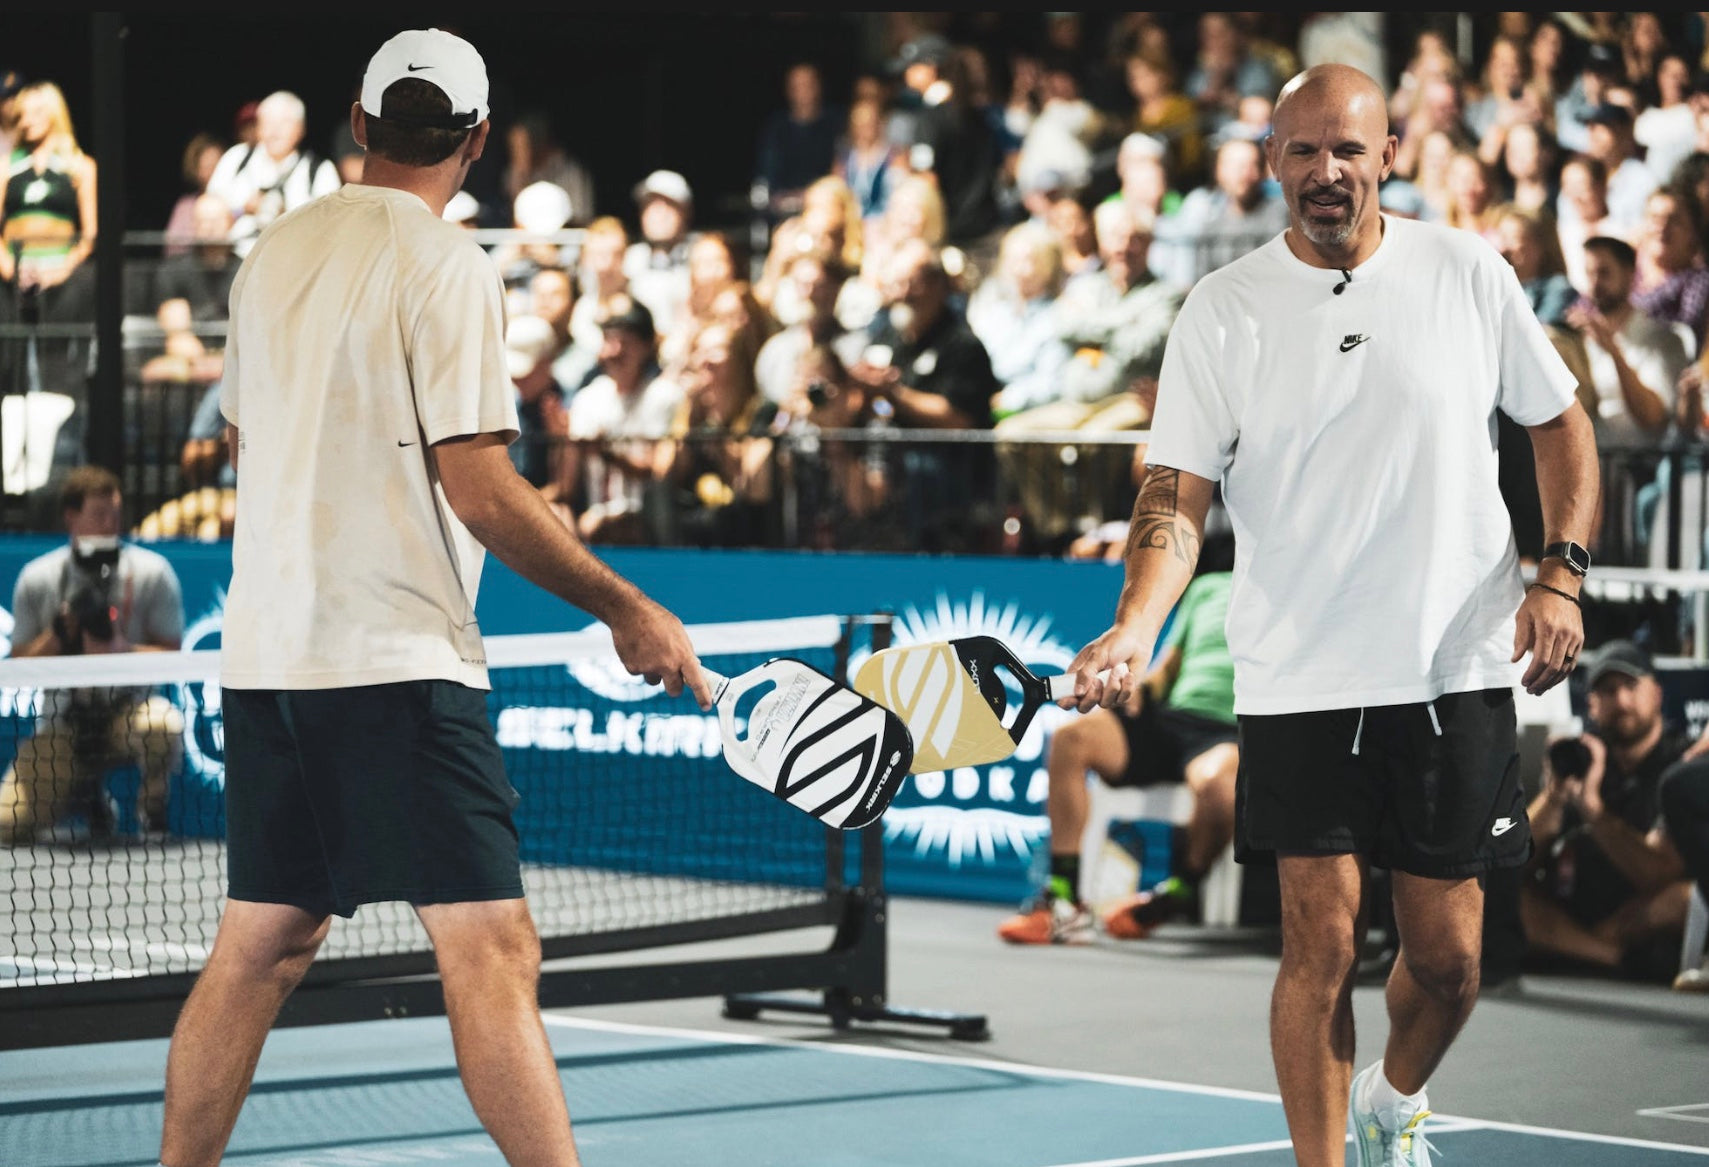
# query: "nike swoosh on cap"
{"type": "Point", "coordinates": [417, 68]}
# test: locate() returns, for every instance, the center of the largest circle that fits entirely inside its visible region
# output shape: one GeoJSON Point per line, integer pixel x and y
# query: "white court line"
{"type": "Point", "coordinates": [1673, 1112]}
{"type": "Point", "coordinates": [1446, 1123]}
{"type": "Point", "coordinates": [1187, 1156]}
{"type": "Point", "coordinates": [908, 1056]}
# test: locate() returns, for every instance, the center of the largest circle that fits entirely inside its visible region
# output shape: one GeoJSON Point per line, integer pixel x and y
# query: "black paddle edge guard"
{"type": "Point", "coordinates": [849, 975]}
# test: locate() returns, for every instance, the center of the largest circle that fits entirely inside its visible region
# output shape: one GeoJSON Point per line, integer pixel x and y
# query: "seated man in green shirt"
{"type": "Point", "coordinates": [1181, 728]}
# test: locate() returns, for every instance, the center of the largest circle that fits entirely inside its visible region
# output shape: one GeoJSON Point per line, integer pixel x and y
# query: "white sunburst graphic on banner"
{"type": "Point", "coordinates": [975, 814]}
{"type": "Point", "coordinates": [204, 723]}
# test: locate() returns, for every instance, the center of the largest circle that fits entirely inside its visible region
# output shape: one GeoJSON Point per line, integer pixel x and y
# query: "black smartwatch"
{"type": "Point", "coordinates": [1575, 557]}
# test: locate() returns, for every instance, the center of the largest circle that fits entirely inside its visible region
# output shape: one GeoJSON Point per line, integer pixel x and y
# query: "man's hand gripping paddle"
{"type": "Point", "coordinates": [951, 696]}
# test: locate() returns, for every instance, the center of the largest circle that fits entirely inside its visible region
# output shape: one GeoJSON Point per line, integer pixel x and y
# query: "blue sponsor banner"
{"type": "Point", "coordinates": [974, 833]}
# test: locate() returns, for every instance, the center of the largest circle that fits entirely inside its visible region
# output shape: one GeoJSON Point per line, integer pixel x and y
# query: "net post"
{"type": "Point", "coordinates": [862, 940]}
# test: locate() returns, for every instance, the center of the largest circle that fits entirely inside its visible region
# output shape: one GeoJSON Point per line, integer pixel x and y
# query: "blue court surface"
{"type": "Point", "coordinates": [387, 1093]}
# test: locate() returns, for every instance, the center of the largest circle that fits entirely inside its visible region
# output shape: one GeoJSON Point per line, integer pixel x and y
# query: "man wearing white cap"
{"type": "Point", "coordinates": [657, 263]}
{"type": "Point", "coordinates": [369, 408]}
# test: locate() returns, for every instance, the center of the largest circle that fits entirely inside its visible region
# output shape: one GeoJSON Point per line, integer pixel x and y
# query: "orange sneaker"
{"type": "Point", "coordinates": [1049, 919]}
{"type": "Point", "coordinates": [1137, 916]}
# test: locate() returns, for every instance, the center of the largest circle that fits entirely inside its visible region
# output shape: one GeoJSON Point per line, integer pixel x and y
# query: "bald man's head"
{"type": "Point", "coordinates": [1331, 149]}
{"type": "Point", "coordinates": [1339, 87]}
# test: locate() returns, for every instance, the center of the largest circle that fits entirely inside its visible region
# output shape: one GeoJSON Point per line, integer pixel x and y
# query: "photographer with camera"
{"type": "Point", "coordinates": [1605, 886]}
{"type": "Point", "coordinates": [97, 594]}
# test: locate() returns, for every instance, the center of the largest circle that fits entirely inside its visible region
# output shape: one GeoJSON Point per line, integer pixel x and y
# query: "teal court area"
{"type": "Point", "coordinates": [387, 1093]}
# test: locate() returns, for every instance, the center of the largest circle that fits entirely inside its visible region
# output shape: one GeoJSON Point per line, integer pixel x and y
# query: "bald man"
{"type": "Point", "coordinates": [1341, 384]}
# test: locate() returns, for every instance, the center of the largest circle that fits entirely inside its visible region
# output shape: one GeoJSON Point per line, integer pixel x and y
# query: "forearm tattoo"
{"type": "Point", "coordinates": [1157, 523]}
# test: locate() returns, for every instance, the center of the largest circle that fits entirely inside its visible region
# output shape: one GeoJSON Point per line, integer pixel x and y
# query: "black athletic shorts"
{"type": "Point", "coordinates": [341, 797]}
{"type": "Point", "coordinates": [1161, 742]}
{"type": "Point", "coordinates": [1430, 795]}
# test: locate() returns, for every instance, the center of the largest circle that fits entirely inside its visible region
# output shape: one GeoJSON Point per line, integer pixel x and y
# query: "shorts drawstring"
{"type": "Point", "coordinates": [1359, 732]}
{"type": "Point", "coordinates": [1434, 723]}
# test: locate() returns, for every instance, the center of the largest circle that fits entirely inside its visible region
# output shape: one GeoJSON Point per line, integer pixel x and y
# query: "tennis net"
{"type": "Point", "coordinates": [634, 831]}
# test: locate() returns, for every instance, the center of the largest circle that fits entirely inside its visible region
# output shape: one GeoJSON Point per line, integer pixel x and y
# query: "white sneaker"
{"type": "Point", "coordinates": [1693, 980]}
{"type": "Point", "coordinates": [1385, 1138]}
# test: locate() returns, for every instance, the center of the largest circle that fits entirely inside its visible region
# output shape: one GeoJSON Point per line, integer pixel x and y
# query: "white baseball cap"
{"type": "Point", "coordinates": [665, 184]}
{"type": "Point", "coordinates": [542, 207]}
{"type": "Point", "coordinates": [528, 340]}
{"type": "Point", "coordinates": [448, 62]}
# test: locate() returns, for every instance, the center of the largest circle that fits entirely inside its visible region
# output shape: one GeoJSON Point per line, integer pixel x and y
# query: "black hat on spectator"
{"type": "Point", "coordinates": [928, 48]}
{"type": "Point", "coordinates": [1621, 657]}
{"type": "Point", "coordinates": [1610, 114]}
{"type": "Point", "coordinates": [1601, 58]}
{"type": "Point", "coordinates": [10, 82]}
{"type": "Point", "coordinates": [632, 316]}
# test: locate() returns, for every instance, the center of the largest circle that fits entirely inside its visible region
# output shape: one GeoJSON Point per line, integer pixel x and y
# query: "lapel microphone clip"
{"type": "Point", "coordinates": [1346, 278]}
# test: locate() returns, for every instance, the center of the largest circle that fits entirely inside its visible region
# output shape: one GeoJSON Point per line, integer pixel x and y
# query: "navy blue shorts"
{"type": "Point", "coordinates": [342, 797]}
{"type": "Point", "coordinates": [1435, 796]}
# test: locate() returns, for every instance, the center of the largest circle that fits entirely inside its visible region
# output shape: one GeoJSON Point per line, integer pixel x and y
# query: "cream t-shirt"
{"type": "Point", "coordinates": [364, 328]}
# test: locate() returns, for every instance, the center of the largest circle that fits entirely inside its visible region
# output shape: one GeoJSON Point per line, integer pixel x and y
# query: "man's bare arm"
{"type": "Point", "coordinates": [1163, 543]}
{"type": "Point", "coordinates": [1548, 626]}
{"type": "Point", "coordinates": [516, 524]}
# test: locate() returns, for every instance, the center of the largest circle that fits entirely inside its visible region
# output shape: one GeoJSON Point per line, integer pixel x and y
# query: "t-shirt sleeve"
{"type": "Point", "coordinates": [1536, 384]}
{"type": "Point", "coordinates": [230, 379]}
{"type": "Point", "coordinates": [27, 607]}
{"type": "Point", "coordinates": [1193, 428]}
{"type": "Point", "coordinates": [163, 610]}
{"type": "Point", "coordinates": [457, 365]}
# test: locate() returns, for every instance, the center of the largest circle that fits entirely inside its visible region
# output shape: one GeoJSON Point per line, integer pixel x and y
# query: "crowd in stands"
{"type": "Point", "coordinates": [1064, 192]}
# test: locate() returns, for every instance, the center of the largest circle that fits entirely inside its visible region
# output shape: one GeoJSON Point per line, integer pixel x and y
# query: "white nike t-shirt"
{"type": "Point", "coordinates": [364, 328]}
{"type": "Point", "coordinates": [1355, 439]}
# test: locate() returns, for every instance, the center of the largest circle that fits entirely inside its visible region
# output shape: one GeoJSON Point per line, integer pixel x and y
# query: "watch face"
{"type": "Point", "coordinates": [1573, 555]}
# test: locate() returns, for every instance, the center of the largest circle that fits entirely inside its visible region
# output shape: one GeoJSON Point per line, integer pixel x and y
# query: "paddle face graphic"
{"type": "Point", "coordinates": [812, 742]}
{"type": "Point", "coordinates": [952, 698]}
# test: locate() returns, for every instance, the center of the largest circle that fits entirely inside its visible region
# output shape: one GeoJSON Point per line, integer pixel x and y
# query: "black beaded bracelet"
{"type": "Point", "coordinates": [1560, 593]}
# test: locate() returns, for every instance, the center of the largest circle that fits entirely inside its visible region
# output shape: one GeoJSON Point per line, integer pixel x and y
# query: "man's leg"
{"type": "Point", "coordinates": [1646, 918]}
{"type": "Point", "coordinates": [1097, 742]}
{"type": "Point", "coordinates": [152, 733]}
{"type": "Point", "coordinates": [36, 788]}
{"type": "Point", "coordinates": [1435, 979]}
{"type": "Point", "coordinates": [1210, 827]}
{"type": "Point", "coordinates": [260, 953]}
{"type": "Point", "coordinates": [1550, 928]}
{"type": "Point", "coordinates": [1311, 1008]}
{"type": "Point", "coordinates": [1092, 742]}
{"type": "Point", "coordinates": [489, 962]}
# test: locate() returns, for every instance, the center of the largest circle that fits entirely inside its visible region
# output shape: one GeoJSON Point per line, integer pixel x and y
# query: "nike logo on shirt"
{"type": "Point", "coordinates": [1352, 341]}
{"type": "Point", "coordinates": [1502, 826]}
{"type": "Point", "coordinates": [401, 442]}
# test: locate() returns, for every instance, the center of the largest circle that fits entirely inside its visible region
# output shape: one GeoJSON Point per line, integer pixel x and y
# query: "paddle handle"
{"type": "Point", "coordinates": [717, 680]}
{"type": "Point", "coordinates": [1062, 684]}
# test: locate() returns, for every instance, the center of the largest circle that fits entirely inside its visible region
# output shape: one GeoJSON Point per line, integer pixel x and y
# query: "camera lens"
{"type": "Point", "coordinates": [1569, 758]}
